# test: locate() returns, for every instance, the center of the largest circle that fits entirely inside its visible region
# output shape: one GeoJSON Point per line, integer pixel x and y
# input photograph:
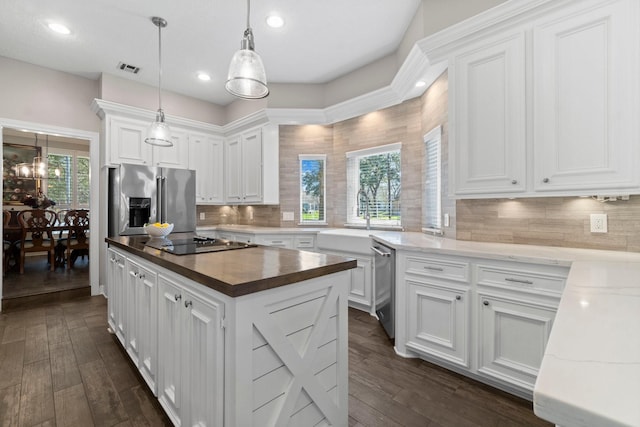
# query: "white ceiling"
{"type": "Point", "coordinates": [320, 41]}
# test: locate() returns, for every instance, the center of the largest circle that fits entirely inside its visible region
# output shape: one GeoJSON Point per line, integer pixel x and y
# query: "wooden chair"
{"type": "Point", "coordinates": [6, 245]}
{"type": "Point", "coordinates": [77, 221]}
{"type": "Point", "coordinates": [36, 234]}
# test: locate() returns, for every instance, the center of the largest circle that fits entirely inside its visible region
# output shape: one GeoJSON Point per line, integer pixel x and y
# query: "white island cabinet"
{"type": "Point", "coordinates": [261, 352]}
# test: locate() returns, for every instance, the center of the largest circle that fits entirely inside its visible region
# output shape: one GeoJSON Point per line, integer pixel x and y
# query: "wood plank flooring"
{"type": "Point", "coordinates": [60, 367]}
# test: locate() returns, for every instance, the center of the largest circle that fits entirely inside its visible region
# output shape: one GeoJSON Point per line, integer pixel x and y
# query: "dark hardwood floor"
{"type": "Point", "coordinates": [38, 285]}
{"type": "Point", "coordinates": [60, 367]}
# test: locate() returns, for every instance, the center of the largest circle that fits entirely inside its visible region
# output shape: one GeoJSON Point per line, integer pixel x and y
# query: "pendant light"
{"type": "Point", "coordinates": [247, 78]}
{"type": "Point", "coordinates": [159, 133]}
{"type": "Point", "coordinates": [39, 167]}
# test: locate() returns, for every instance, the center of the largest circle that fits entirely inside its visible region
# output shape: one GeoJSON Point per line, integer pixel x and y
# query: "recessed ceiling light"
{"type": "Point", "coordinates": [421, 83]}
{"type": "Point", "coordinates": [204, 77]}
{"type": "Point", "coordinates": [56, 27]}
{"type": "Point", "coordinates": [275, 21]}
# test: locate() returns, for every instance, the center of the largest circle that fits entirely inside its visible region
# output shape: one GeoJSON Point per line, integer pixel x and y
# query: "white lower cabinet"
{"type": "Point", "coordinates": [487, 319]}
{"type": "Point", "coordinates": [115, 292]}
{"type": "Point", "coordinates": [278, 241]}
{"type": "Point", "coordinates": [512, 336]}
{"type": "Point", "coordinates": [439, 321]}
{"type": "Point", "coordinates": [142, 320]}
{"type": "Point", "coordinates": [191, 356]}
{"type": "Point", "coordinates": [361, 289]}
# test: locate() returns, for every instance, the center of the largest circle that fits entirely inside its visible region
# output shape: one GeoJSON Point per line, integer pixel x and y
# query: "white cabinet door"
{"type": "Point", "coordinates": [252, 167]}
{"type": "Point", "coordinates": [147, 325]}
{"type": "Point", "coordinates": [176, 156]}
{"type": "Point", "coordinates": [361, 289]}
{"type": "Point", "coordinates": [115, 291]}
{"type": "Point", "coordinates": [126, 140]}
{"type": "Point", "coordinates": [487, 112]}
{"type": "Point", "coordinates": [206, 157]}
{"type": "Point", "coordinates": [278, 241]}
{"type": "Point", "coordinates": [203, 361]}
{"type": "Point", "coordinates": [170, 348]}
{"type": "Point", "coordinates": [190, 356]}
{"type": "Point", "coordinates": [512, 336]}
{"type": "Point", "coordinates": [585, 105]}
{"type": "Point", "coordinates": [233, 169]}
{"type": "Point", "coordinates": [438, 321]}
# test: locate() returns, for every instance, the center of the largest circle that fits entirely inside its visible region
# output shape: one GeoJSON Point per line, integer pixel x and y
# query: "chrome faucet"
{"type": "Point", "coordinates": [366, 198]}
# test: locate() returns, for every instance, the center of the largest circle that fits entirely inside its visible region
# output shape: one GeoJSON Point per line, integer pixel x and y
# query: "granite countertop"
{"type": "Point", "coordinates": [238, 272]}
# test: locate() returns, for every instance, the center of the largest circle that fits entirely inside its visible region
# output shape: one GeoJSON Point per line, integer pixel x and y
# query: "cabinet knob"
{"type": "Point", "coordinates": [545, 180]}
{"type": "Point", "coordinates": [188, 304]}
{"type": "Point", "coordinates": [141, 276]}
{"type": "Point", "coordinates": [177, 297]}
{"type": "Point", "coordinates": [514, 182]}
{"type": "Point", "coordinates": [458, 297]}
{"type": "Point", "coordinates": [485, 302]}
{"type": "Point", "coordinates": [135, 274]}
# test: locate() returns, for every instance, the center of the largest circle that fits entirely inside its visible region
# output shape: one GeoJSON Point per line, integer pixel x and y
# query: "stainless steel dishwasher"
{"type": "Point", "coordinates": [384, 263]}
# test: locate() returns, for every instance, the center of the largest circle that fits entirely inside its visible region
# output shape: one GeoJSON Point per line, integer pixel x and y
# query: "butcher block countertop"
{"type": "Point", "coordinates": [241, 271]}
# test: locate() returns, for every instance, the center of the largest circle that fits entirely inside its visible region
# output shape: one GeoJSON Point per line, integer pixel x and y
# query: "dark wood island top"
{"type": "Point", "coordinates": [241, 271]}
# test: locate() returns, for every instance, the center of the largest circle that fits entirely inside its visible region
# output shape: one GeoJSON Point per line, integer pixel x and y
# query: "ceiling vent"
{"type": "Point", "coordinates": [128, 68]}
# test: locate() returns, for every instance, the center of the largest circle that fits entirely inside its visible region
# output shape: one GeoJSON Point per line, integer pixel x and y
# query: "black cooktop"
{"type": "Point", "coordinates": [196, 245]}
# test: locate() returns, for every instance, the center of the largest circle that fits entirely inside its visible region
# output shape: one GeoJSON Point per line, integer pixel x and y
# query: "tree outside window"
{"type": "Point", "coordinates": [374, 185]}
{"type": "Point", "coordinates": [312, 188]}
{"type": "Point", "coordinates": [71, 189]}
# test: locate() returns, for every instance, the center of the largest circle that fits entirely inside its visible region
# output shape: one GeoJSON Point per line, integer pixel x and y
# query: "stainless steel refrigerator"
{"type": "Point", "coordinates": [140, 195]}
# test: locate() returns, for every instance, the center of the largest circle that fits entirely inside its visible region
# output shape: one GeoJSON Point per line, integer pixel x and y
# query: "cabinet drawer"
{"type": "Point", "coordinates": [442, 268]}
{"type": "Point", "coordinates": [305, 242]}
{"type": "Point", "coordinates": [276, 241]}
{"type": "Point", "coordinates": [506, 278]}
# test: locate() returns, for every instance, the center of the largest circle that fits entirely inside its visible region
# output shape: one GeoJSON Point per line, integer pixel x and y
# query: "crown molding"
{"type": "Point", "coordinates": [103, 108]}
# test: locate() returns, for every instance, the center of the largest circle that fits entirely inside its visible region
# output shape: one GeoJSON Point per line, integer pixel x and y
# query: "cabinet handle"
{"type": "Point", "coordinates": [458, 297]}
{"type": "Point", "coordinates": [511, 279]}
{"type": "Point", "coordinates": [188, 304]}
{"type": "Point", "coordinates": [141, 276]}
{"type": "Point", "coordinates": [428, 267]}
{"type": "Point", "coordinates": [485, 302]}
{"type": "Point", "coordinates": [134, 274]}
{"type": "Point", "coordinates": [545, 180]}
{"type": "Point", "coordinates": [177, 297]}
{"type": "Point", "coordinates": [514, 182]}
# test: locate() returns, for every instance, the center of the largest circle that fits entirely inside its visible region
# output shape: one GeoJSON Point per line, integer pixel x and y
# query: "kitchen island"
{"type": "Point", "coordinates": [252, 336]}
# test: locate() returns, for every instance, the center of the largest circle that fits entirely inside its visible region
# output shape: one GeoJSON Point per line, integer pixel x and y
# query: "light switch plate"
{"type": "Point", "coordinates": [598, 223]}
{"type": "Point", "coordinates": [201, 215]}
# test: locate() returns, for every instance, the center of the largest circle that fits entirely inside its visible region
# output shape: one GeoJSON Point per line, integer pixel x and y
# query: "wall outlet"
{"type": "Point", "coordinates": [598, 223]}
{"type": "Point", "coordinates": [287, 216]}
{"type": "Point", "coordinates": [446, 220]}
{"type": "Point", "coordinates": [201, 215]}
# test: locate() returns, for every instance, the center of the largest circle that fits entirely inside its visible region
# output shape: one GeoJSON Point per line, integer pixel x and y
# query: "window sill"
{"type": "Point", "coordinates": [313, 224]}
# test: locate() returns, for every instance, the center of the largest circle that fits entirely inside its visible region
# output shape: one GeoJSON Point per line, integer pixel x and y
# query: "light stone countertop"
{"type": "Point", "coordinates": [260, 230]}
{"type": "Point", "coordinates": [590, 373]}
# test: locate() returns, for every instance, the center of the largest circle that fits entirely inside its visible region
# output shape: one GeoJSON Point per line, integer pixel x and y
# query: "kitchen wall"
{"type": "Point", "coordinates": [550, 221]}
{"type": "Point", "coordinates": [406, 123]}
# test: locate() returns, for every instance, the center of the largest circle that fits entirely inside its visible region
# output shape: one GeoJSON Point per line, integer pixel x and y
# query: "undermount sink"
{"type": "Point", "coordinates": [345, 240]}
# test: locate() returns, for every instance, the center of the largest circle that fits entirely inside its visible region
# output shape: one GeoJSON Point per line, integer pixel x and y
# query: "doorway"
{"type": "Point", "coordinates": [78, 152]}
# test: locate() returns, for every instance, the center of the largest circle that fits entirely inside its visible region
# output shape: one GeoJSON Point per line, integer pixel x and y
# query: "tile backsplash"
{"type": "Point", "coordinates": [550, 221]}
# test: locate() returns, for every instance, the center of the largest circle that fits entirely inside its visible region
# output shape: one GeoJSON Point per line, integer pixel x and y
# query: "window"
{"type": "Point", "coordinates": [432, 221]}
{"type": "Point", "coordinates": [71, 190]}
{"type": "Point", "coordinates": [373, 185]}
{"type": "Point", "coordinates": [312, 188]}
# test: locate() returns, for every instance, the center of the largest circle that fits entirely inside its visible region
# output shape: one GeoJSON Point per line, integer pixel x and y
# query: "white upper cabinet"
{"type": "Point", "coordinates": [548, 105]}
{"type": "Point", "coordinates": [206, 157]}
{"type": "Point", "coordinates": [252, 167]}
{"type": "Point", "coordinates": [126, 142]}
{"type": "Point", "coordinates": [585, 99]}
{"type": "Point", "coordinates": [488, 116]}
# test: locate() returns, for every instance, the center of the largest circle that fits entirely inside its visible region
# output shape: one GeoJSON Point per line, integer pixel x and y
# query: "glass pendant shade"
{"type": "Point", "coordinates": [23, 170]}
{"type": "Point", "coordinates": [159, 133]}
{"type": "Point", "coordinates": [247, 78]}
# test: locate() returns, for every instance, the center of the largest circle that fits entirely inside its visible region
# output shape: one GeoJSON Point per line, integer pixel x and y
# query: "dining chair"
{"type": "Point", "coordinates": [61, 239]}
{"type": "Point", "coordinates": [6, 244]}
{"type": "Point", "coordinates": [36, 234]}
{"type": "Point", "coordinates": [77, 221]}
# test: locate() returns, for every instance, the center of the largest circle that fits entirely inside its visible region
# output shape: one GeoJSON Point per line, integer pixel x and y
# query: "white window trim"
{"type": "Point", "coordinates": [434, 135]}
{"type": "Point", "coordinates": [352, 220]}
{"type": "Point", "coordinates": [322, 157]}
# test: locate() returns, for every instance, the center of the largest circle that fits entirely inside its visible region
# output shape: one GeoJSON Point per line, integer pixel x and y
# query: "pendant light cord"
{"type": "Point", "coordinates": [160, 67]}
{"type": "Point", "coordinates": [248, 13]}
